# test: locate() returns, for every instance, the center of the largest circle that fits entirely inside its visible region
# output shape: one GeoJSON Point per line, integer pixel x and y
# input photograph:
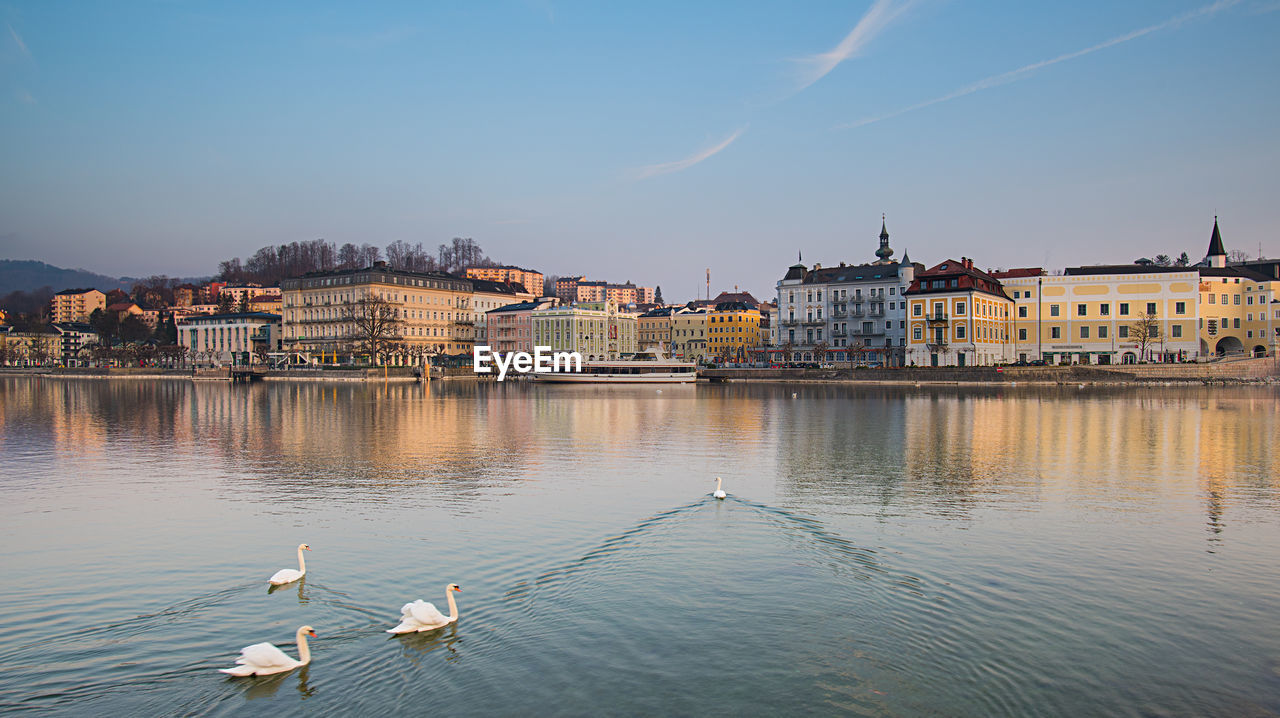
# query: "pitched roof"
{"type": "Point", "coordinates": [1215, 242]}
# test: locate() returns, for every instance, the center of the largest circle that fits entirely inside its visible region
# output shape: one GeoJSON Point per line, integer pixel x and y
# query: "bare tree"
{"type": "Point", "coordinates": [40, 348]}
{"type": "Point", "coordinates": [349, 256]}
{"type": "Point", "coordinates": [376, 323]}
{"type": "Point", "coordinates": [1238, 255]}
{"type": "Point", "coordinates": [1145, 330]}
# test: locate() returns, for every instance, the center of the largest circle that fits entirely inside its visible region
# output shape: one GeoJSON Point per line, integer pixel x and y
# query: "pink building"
{"type": "Point", "coordinates": [511, 327]}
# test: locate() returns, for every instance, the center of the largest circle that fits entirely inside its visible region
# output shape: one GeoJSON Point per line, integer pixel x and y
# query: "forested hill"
{"type": "Point", "coordinates": [19, 275]}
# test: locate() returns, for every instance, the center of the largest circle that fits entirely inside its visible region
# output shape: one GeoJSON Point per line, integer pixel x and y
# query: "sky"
{"type": "Point", "coordinates": [639, 141]}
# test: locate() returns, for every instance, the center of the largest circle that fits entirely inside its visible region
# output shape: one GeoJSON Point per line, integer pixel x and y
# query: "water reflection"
{"type": "Point", "coordinates": [260, 687]}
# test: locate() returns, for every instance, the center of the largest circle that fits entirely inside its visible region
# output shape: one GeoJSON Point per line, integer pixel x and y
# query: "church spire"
{"type": "Point", "coordinates": [1217, 256]}
{"type": "Point", "coordinates": [884, 252]}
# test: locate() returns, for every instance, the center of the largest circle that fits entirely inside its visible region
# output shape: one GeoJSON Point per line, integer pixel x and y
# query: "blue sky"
{"type": "Point", "coordinates": [644, 141]}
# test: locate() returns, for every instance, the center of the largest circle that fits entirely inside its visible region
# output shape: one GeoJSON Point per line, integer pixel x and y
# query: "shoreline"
{"type": "Point", "coordinates": [984, 376]}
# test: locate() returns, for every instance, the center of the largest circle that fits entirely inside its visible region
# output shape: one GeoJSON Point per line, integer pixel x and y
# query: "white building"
{"type": "Point", "coordinates": [221, 339]}
{"type": "Point", "coordinates": [846, 313]}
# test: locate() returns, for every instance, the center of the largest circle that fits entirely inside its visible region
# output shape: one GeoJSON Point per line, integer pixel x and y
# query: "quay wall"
{"type": "Point", "coordinates": [1248, 370]}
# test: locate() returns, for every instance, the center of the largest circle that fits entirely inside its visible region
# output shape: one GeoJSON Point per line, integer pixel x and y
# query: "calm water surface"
{"type": "Point", "coordinates": [883, 551]}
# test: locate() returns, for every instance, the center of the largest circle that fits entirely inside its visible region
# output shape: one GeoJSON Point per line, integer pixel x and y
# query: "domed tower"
{"type": "Point", "coordinates": [884, 252]}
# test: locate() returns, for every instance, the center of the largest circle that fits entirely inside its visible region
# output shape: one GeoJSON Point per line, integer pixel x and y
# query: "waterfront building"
{"type": "Point", "coordinates": [846, 313]}
{"type": "Point", "coordinates": [654, 327]}
{"type": "Point", "coordinates": [531, 280]}
{"type": "Point", "coordinates": [733, 332]}
{"type": "Point", "coordinates": [1106, 314]}
{"type": "Point", "coordinates": [596, 330]}
{"type": "Point", "coordinates": [958, 316]}
{"type": "Point", "coordinates": [431, 310]}
{"type": "Point", "coordinates": [510, 327]}
{"type": "Point", "coordinates": [769, 325]}
{"type": "Point", "coordinates": [28, 349]}
{"type": "Point", "coordinates": [487, 295]}
{"type": "Point", "coordinates": [75, 305]}
{"type": "Point", "coordinates": [1239, 312]}
{"type": "Point", "coordinates": [689, 334]}
{"type": "Point", "coordinates": [74, 340]}
{"type": "Point", "coordinates": [223, 339]}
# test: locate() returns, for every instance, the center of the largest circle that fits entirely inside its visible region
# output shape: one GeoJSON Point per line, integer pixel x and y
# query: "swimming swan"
{"type": "Point", "coordinates": [424, 616]}
{"type": "Point", "coordinates": [719, 494]}
{"type": "Point", "coordinates": [264, 659]}
{"type": "Point", "coordinates": [289, 575]}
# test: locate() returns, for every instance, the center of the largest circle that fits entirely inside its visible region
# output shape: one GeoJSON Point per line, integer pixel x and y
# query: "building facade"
{"type": "Point", "coordinates": [852, 314]}
{"type": "Point", "coordinates": [733, 332]}
{"type": "Point", "coordinates": [689, 335]}
{"type": "Point", "coordinates": [226, 339]}
{"type": "Point", "coordinates": [531, 280]}
{"type": "Point", "coordinates": [488, 295]}
{"type": "Point", "coordinates": [654, 327]}
{"type": "Point", "coordinates": [510, 327]}
{"type": "Point", "coordinates": [432, 311]}
{"type": "Point", "coordinates": [958, 316]}
{"type": "Point", "coordinates": [75, 305]}
{"type": "Point", "coordinates": [1109, 314]}
{"type": "Point", "coordinates": [598, 331]}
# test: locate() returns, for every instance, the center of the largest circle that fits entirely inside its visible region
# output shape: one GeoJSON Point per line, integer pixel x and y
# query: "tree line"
{"type": "Point", "coordinates": [273, 263]}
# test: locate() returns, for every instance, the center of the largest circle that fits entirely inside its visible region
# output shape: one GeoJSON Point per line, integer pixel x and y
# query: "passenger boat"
{"type": "Point", "coordinates": [646, 367]}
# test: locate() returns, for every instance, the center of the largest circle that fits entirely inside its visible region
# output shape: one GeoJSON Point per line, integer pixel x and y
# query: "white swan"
{"type": "Point", "coordinates": [264, 659]}
{"type": "Point", "coordinates": [719, 494]}
{"type": "Point", "coordinates": [424, 616]}
{"type": "Point", "coordinates": [289, 575]}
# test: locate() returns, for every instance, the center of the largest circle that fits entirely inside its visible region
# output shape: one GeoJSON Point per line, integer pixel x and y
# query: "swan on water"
{"type": "Point", "coordinates": [289, 575]}
{"type": "Point", "coordinates": [719, 493]}
{"type": "Point", "coordinates": [424, 616]}
{"type": "Point", "coordinates": [264, 659]}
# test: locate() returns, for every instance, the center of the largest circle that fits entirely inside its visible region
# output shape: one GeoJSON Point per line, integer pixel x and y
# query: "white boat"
{"type": "Point", "coordinates": [646, 367]}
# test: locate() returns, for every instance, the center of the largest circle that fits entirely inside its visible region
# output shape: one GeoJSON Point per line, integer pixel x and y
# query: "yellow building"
{"type": "Point", "coordinates": [689, 335]}
{"type": "Point", "coordinates": [75, 305]}
{"type": "Point", "coordinates": [654, 328]}
{"type": "Point", "coordinates": [957, 316]}
{"type": "Point", "coordinates": [1099, 314]}
{"type": "Point", "coordinates": [432, 311]}
{"type": "Point", "coordinates": [1238, 309]}
{"type": "Point", "coordinates": [733, 330]}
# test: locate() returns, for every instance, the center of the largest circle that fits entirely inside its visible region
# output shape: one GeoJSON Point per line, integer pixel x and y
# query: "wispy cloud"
{"type": "Point", "coordinates": [1027, 70]}
{"type": "Point", "coordinates": [684, 164]}
{"type": "Point", "coordinates": [17, 40]}
{"type": "Point", "coordinates": [877, 18]}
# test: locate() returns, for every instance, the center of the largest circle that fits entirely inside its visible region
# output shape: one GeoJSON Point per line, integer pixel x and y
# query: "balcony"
{"type": "Point", "coordinates": [839, 333]}
{"type": "Point", "coordinates": [814, 322]}
{"type": "Point", "coordinates": [936, 317]}
{"type": "Point", "coordinates": [789, 322]}
{"type": "Point", "coordinates": [839, 314]}
{"type": "Point", "coordinates": [857, 313]}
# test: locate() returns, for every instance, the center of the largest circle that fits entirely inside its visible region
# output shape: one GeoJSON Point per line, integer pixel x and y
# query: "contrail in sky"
{"type": "Point", "coordinates": [1027, 70]}
{"type": "Point", "coordinates": [684, 164]}
{"type": "Point", "coordinates": [876, 19]}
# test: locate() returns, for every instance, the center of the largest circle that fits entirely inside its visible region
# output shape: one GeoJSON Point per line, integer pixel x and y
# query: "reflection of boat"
{"type": "Point", "coordinates": [646, 367]}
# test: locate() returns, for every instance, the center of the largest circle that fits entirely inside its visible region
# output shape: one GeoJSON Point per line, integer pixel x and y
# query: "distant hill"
{"type": "Point", "coordinates": [28, 275]}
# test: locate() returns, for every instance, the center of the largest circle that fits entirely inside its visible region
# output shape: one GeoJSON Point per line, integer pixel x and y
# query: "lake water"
{"type": "Point", "coordinates": [884, 551]}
